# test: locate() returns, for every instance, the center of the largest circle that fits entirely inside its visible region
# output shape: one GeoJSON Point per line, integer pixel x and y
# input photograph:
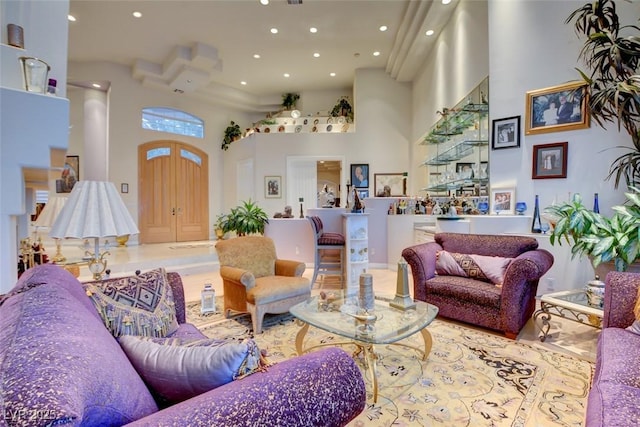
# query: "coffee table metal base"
{"type": "Point", "coordinates": [571, 305]}
{"type": "Point", "coordinates": [368, 350]}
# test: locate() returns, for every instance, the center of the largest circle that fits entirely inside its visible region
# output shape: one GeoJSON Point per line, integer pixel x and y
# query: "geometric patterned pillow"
{"type": "Point", "coordinates": [136, 305]}
{"type": "Point", "coordinates": [480, 267]}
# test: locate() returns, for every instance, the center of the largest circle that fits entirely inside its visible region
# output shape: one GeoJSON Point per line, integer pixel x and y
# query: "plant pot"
{"type": "Point", "coordinates": [122, 240]}
{"type": "Point", "coordinates": [219, 233]}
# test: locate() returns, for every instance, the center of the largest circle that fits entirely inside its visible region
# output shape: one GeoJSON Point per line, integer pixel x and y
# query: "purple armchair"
{"type": "Point", "coordinates": [504, 308]}
{"type": "Point", "coordinates": [615, 391]}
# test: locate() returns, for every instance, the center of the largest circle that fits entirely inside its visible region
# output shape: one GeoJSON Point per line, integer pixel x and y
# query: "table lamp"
{"type": "Point", "coordinates": [46, 219]}
{"type": "Point", "coordinates": [95, 210]}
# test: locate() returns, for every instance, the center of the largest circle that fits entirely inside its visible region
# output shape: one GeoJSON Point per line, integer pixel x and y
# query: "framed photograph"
{"type": "Point", "coordinates": [550, 160]}
{"type": "Point", "coordinates": [395, 181]}
{"type": "Point", "coordinates": [272, 187]}
{"type": "Point", "coordinates": [506, 133]}
{"type": "Point", "coordinates": [360, 175]}
{"type": "Point", "coordinates": [503, 200]}
{"type": "Point", "coordinates": [69, 176]}
{"type": "Point", "coordinates": [557, 108]}
{"type": "Point", "coordinates": [124, 187]}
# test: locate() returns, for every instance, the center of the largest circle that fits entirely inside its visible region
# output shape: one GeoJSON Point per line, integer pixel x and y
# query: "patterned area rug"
{"type": "Point", "coordinates": [471, 378]}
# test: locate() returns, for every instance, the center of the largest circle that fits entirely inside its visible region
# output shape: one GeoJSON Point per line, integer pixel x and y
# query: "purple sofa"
{"type": "Point", "coordinates": [59, 365]}
{"type": "Point", "coordinates": [614, 399]}
{"type": "Point", "coordinates": [504, 308]}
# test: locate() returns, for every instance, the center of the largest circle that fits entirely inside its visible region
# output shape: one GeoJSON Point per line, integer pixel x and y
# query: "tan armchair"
{"type": "Point", "coordinates": [255, 281]}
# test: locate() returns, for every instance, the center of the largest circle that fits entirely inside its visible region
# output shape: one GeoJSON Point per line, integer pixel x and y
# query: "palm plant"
{"type": "Point", "coordinates": [614, 84]}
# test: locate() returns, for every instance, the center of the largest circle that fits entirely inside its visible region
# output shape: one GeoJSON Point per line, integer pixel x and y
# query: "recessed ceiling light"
{"type": "Point", "coordinates": [287, 75]}
{"type": "Point", "coordinates": [429, 32]}
{"type": "Point", "coordinates": [376, 53]}
{"type": "Point", "coordinates": [137, 14]}
{"type": "Point", "coordinates": [243, 83]}
{"type": "Point", "coordinates": [316, 55]}
{"type": "Point", "coordinates": [264, 2]}
{"type": "Point", "coordinates": [383, 28]}
{"type": "Point", "coordinates": [332, 74]}
{"type": "Point", "coordinates": [256, 56]}
{"type": "Point", "coordinates": [71, 18]}
{"type": "Point", "coordinates": [313, 30]}
{"type": "Point", "coordinates": [274, 31]}
{"type": "Point", "coordinates": [96, 85]}
{"type": "Point", "coordinates": [446, 1]}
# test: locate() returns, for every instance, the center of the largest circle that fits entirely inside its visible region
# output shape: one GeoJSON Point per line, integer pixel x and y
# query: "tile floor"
{"type": "Point", "coordinates": [197, 263]}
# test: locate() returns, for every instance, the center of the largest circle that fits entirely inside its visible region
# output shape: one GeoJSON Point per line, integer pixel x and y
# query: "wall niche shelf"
{"type": "Point", "coordinates": [457, 159]}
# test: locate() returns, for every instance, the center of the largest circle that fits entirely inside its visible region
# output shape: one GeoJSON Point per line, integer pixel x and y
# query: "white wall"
{"type": "Point", "coordinates": [381, 139]}
{"type": "Point", "coordinates": [541, 51]}
{"type": "Point", "coordinates": [458, 62]}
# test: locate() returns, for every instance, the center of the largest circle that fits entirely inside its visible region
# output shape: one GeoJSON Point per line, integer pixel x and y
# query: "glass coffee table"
{"type": "Point", "coordinates": [572, 305]}
{"type": "Point", "coordinates": [383, 325]}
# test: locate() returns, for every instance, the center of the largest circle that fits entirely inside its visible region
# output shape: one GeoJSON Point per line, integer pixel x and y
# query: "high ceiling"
{"type": "Point", "coordinates": [206, 48]}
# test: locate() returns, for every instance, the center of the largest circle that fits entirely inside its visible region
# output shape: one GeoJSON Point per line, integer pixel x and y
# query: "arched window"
{"type": "Point", "coordinates": [169, 120]}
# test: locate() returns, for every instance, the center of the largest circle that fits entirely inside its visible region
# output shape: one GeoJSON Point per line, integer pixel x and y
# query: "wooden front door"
{"type": "Point", "coordinates": [173, 192]}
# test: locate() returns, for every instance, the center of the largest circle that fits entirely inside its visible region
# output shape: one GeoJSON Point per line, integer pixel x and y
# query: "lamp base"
{"type": "Point", "coordinates": [58, 257]}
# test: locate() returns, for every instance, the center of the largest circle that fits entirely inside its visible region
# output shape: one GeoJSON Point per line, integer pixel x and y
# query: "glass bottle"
{"type": "Point", "coordinates": [596, 206]}
{"type": "Point", "coordinates": [536, 225]}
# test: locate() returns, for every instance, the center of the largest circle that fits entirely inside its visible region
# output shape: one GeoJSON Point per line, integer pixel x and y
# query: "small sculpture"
{"type": "Point", "coordinates": [287, 213]}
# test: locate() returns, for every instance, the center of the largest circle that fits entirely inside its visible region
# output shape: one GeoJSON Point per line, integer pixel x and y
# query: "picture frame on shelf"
{"type": "Point", "coordinates": [69, 176]}
{"type": "Point", "coordinates": [505, 133]}
{"type": "Point", "coordinates": [557, 108]}
{"type": "Point", "coordinates": [360, 175]}
{"type": "Point", "coordinates": [503, 201]}
{"type": "Point", "coordinates": [550, 160]}
{"type": "Point", "coordinates": [396, 181]}
{"type": "Point", "coordinates": [272, 187]}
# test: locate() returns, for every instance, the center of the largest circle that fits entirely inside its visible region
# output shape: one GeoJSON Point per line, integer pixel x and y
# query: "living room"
{"type": "Point", "coordinates": [390, 116]}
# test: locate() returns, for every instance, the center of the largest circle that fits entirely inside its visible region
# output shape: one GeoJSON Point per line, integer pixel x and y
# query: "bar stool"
{"type": "Point", "coordinates": [326, 261]}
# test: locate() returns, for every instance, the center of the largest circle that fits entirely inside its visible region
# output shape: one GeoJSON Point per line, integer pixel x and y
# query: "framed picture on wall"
{"type": "Point", "coordinates": [506, 133]}
{"type": "Point", "coordinates": [557, 108]}
{"type": "Point", "coordinates": [395, 181]}
{"type": "Point", "coordinates": [69, 176]}
{"type": "Point", "coordinates": [550, 160]}
{"type": "Point", "coordinates": [272, 187]}
{"type": "Point", "coordinates": [360, 175]}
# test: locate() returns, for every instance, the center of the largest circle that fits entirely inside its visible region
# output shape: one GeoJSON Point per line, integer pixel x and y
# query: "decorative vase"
{"type": "Point", "coordinates": [521, 207]}
{"type": "Point", "coordinates": [536, 225]}
{"type": "Point", "coordinates": [596, 206]}
{"type": "Point", "coordinates": [595, 293]}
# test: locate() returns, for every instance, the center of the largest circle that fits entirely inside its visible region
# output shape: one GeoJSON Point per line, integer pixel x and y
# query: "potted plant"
{"type": "Point", "coordinates": [231, 133]}
{"type": "Point", "coordinates": [289, 100]}
{"type": "Point", "coordinates": [613, 80]}
{"type": "Point", "coordinates": [248, 218]}
{"type": "Point", "coordinates": [602, 239]}
{"type": "Point", "coordinates": [342, 108]}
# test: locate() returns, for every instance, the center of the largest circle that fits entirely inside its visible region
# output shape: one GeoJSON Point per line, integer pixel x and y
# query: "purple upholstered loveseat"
{"type": "Point", "coordinates": [504, 308]}
{"type": "Point", "coordinates": [59, 365]}
{"type": "Point", "coordinates": [614, 399]}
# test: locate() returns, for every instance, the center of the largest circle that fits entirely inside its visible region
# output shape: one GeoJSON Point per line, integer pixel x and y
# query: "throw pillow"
{"type": "Point", "coordinates": [177, 369]}
{"type": "Point", "coordinates": [136, 305]}
{"type": "Point", "coordinates": [635, 326]}
{"type": "Point", "coordinates": [480, 267]}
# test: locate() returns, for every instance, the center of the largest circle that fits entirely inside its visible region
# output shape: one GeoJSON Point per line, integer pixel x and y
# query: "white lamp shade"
{"type": "Point", "coordinates": [93, 209]}
{"type": "Point", "coordinates": [51, 211]}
